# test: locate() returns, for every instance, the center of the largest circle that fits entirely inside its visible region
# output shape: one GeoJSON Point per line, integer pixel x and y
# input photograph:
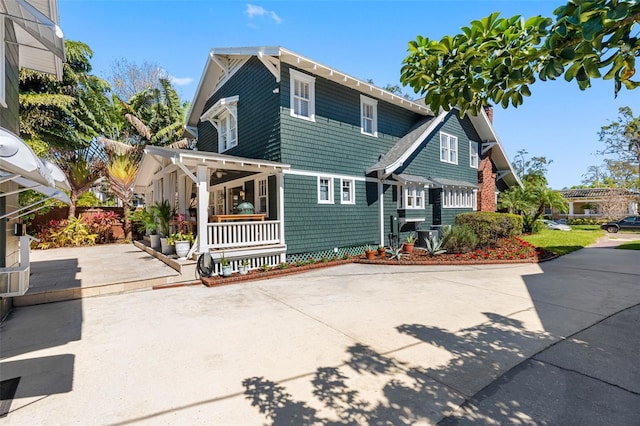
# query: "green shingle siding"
{"type": "Point", "coordinates": [334, 142]}
{"type": "Point", "coordinates": [257, 110]}
{"type": "Point", "coordinates": [310, 226]}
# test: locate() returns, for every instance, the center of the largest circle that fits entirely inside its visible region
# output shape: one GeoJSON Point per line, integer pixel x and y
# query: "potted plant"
{"type": "Point", "coordinates": [225, 266]}
{"type": "Point", "coordinates": [163, 215]}
{"type": "Point", "coordinates": [381, 250]}
{"type": "Point", "coordinates": [243, 269]}
{"type": "Point", "coordinates": [369, 252]}
{"type": "Point", "coordinates": [409, 242]}
{"type": "Point", "coordinates": [147, 223]}
{"type": "Point", "coordinates": [182, 242]}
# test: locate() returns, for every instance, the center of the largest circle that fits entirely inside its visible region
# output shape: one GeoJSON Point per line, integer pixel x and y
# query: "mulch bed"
{"type": "Point", "coordinates": [511, 250]}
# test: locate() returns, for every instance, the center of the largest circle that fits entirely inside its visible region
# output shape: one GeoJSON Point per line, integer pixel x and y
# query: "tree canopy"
{"type": "Point", "coordinates": [495, 60]}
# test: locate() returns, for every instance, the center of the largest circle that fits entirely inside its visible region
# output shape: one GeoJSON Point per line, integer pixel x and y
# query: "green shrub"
{"type": "Point", "coordinates": [489, 227]}
{"type": "Point", "coordinates": [460, 239]}
{"type": "Point", "coordinates": [537, 227]}
{"type": "Point", "coordinates": [74, 232]}
{"type": "Point", "coordinates": [585, 221]}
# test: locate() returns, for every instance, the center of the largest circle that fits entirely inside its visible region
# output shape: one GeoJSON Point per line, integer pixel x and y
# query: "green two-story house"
{"type": "Point", "coordinates": [330, 162]}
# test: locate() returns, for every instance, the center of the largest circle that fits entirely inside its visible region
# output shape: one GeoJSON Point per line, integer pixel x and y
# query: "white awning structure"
{"type": "Point", "coordinates": [19, 164]}
{"type": "Point", "coordinates": [40, 39]}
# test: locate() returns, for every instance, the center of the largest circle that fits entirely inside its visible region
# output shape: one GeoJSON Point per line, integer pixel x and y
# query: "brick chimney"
{"type": "Point", "coordinates": [488, 109]}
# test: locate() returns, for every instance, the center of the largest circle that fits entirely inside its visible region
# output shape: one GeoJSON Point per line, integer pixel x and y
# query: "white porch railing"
{"type": "Point", "coordinates": [243, 234]}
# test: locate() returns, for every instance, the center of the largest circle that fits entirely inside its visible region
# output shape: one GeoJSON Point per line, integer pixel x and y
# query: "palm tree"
{"type": "Point", "coordinates": [531, 200]}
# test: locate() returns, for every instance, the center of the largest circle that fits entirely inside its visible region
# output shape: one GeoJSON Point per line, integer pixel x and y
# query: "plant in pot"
{"type": "Point", "coordinates": [381, 250]}
{"type": "Point", "coordinates": [409, 242]}
{"type": "Point", "coordinates": [243, 269]}
{"type": "Point", "coordinates": [147, 224]}
{"type": "Point", "coordinates": [182, 242]}
{"type": "Point", "coordinates": [163, 215]}
{"type": "Point", "coordinates": [369, 252]}
{"type": "Point", "coordinates": [225, 266]}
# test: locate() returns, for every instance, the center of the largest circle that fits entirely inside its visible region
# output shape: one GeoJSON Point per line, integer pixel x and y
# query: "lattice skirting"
{"type": "Point", "coordinates": [325, 254]}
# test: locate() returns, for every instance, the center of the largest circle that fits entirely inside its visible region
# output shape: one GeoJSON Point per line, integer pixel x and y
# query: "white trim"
{"type": "Point", "coordinates": [366, 101]}
{"type": "Point", "coordinates": [257, 195]}
{"type": "Point", "coordinates": [449, 138]}
{"type": "Point", "coordinates": [332, 175]}
{"type": "Point", "coordinates": [352, 191]}
{"type": "Point", "coordinates": [271, 63]}
{"type": "Point", "coordinates": [411, 191]}
{"type": "Point", "coordinates": [330, 196]}
{"type": "Point", "coordinates": [459, 198]}
{"type": "Point", "coordinates": [3, 59]}
{"type": "Point", "coordinates": [472, 155]}
{"type": "Point", "coordinates": [295, 76]}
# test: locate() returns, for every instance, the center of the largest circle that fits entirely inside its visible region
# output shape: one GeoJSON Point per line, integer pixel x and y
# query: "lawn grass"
{"type": "Point", "coordinates": [563, 242]}
{"type": "Point", "coordinates": [631, 245]}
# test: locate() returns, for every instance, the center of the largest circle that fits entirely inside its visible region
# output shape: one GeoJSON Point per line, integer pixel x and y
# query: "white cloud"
{"type": "Point", "coordinates": [253, 11]}
{"type": "Point", "coordinates": [180, 81]}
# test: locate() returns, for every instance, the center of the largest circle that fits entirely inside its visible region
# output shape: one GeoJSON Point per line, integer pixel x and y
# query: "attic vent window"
{"type": "Point", "coordinates": [224, 117]}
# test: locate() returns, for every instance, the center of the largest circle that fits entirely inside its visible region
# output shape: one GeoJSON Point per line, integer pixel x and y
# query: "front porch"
{"type": "Point", "coordinates": [208, 189]}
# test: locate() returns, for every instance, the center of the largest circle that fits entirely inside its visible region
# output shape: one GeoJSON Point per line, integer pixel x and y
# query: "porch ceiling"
{"type": "Point", "coordinates": [157, 158]}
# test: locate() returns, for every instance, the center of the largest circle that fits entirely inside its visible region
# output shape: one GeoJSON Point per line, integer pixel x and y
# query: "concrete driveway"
{"type": "Point", "coordinates": [553, 343]}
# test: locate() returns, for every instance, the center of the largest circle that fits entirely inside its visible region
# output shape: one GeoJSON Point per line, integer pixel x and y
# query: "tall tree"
{"type": "Point", "coordinates": [530, 202]}
{"type": "Point", "coordinates": [621, 139]}
{"type": "Point", "coordinates": [531, 168]}
{"type": "Point", "coordinates": [129, 78]}
{"type": "Point", "coordinates": [495, 60]}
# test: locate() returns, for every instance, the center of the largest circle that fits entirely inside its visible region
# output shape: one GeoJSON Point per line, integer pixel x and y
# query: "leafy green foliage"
{"type": "Point", "coordinates": [489, 227]}
{"type": "Point", "coordinates": [163, 214]}
{"type": "Point", "coordinates": [621, 140]}
{"type": "Point", "coordinates": [495, 60]}
{"type": "Point", "coordinates": [73, 232]}
{"type": "Point", "coordinates": [434, 246]}
{"type": "Point", "coordinates": [530, 201]}
{"type": "Point", "coordinates": [460, 239]}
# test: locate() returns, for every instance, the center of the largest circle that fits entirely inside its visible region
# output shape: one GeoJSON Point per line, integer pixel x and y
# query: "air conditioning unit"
{"type": "Point", "coordinates": [14, 281]}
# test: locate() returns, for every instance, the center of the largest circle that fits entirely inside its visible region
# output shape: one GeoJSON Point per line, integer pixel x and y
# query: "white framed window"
{"type": "Point", "coordinates": [411, 197]}
{"type": "Point", "coordinates": [227, 132]}
{"type": "Point", "coordinates": [347, 191]}
{"type": "Point", "coordinates": [448, 148]}
{"type": "Point", "coordinates": [325, 190]}
{"type": "Point", "coordinates": [464, 198]}
{"type": "Point", "coordinates": [302, 95]}
{"type": "Point", "coordinates": [473, 154]}
{"type": "Point", "coordinates": [224, 117]}
{"type": "Point", "coordinates": [368, 116]}
{"type": "Point", "coordinates": [3, 101]}
{"type": "Point", "coordinates": [262, 201]}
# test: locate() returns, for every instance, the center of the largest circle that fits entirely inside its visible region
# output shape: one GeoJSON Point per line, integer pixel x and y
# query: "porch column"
{"type": "Point", "coordinates": [381, 208]}
{"type": "Point", "coordinates": [202, 173]}
{"type": "Point", "coordinates": [166, 189]}
{"type": "Point", "coordinates": [570, 208]}
{"type": "Point", "coordinates": [182, 196]}
{"type": "Point", "coordinates": [280, 179]}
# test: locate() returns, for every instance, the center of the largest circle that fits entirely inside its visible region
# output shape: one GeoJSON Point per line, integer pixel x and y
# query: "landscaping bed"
{"type": "Point", "coordinates": [507, 250]}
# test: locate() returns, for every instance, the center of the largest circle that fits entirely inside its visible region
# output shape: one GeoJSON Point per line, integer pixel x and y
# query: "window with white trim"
{"type": "Point", "coordinates": [227, 132]}
{"type": "Point", "coordinates": [262, 204]}
{"type": "Point", "coordinates": [224, 117]}
{"type": "Point", "coordinates": [347, 191]}
{"type": "Point", "coordinates": [302, 96]}
{"type": "Point", "coordinates": [325, 190]}
{"type": "Point", "coordinates": [448, 148]}
{"type": "Point", "coordinates": [368, 116]}
{"type": "Point", "coordinates": [473, 154]}
{"type": "Point", "coordinates": [464, 198]}
{"type": "Point", "coordinates": [411, 197]}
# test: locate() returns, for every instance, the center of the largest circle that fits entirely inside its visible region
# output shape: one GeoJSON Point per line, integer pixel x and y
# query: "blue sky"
{"type": "Point", "coordinates": [367, 39]}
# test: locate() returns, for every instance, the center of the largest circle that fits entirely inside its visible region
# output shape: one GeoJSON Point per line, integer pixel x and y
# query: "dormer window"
{"type": "Point", "coordinates": [303, 96]}
{"type": "Point", "coordinates": [224, 117]}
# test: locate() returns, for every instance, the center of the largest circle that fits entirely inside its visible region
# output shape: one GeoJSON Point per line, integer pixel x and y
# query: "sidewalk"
{"type": "Point", "coordinates": [553, 343]}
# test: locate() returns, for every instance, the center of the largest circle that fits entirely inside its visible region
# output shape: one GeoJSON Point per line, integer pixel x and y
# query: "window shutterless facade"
{"type": "Point", "coordinates": [224, 117]}
{"type": "Point", "coordinates": [325, 190]}
{"type": "Point", "coordinates": [448, 148]}
{"type": "Point", "coordinates": [411, 197]}
{"type": "Point", "coordinates": [473, 154]}
{"type": "Point", "coordinates": [459, 198]}
{"type": "Point", "coordinates": [302, 96]}
{"type": "Point", "coordinates": [368, 116]}
{"type": "Point", "coordinates": [347, 195]}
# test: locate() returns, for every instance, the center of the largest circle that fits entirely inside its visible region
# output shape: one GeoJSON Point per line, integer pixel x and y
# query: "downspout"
{"type": "Point", "coordinates": [381, 206]}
